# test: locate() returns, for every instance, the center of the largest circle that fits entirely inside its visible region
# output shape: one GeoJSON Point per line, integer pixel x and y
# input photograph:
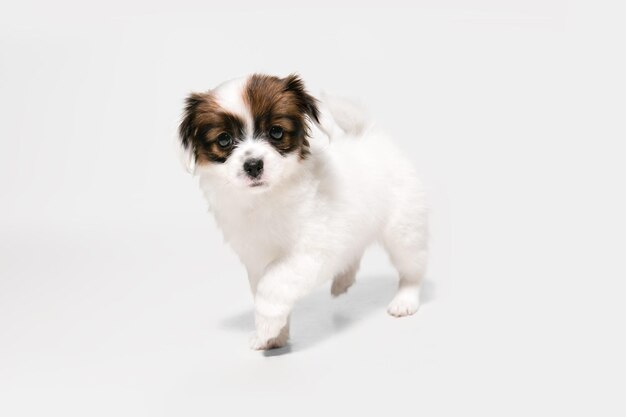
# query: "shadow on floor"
{"type": "Point", "coordinates": [319, 315]}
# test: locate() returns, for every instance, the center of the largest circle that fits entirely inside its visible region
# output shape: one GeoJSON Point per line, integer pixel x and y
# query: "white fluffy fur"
{"type": "Point", "coordinates": [312, 219]}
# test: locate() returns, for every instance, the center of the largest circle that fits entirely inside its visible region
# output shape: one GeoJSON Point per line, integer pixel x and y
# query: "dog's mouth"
{"type": "Point", "coordinates": [255, 184]}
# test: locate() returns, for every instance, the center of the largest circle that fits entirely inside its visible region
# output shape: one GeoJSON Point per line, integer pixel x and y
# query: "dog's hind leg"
{"type": "Point", "coordinates": [405, 241]}
{"type": "Point", "coordinates": [345, 279]}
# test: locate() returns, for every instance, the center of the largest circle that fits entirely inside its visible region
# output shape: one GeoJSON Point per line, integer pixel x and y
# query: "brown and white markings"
{"type": "Point", "coordinates": [276, 110]}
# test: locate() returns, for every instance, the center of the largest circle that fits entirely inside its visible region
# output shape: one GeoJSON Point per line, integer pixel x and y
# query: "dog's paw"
{"type": "Point", "coordinates": [340, 286]}
{"type": "Point", "coordinates": [405, 303]}
{"type": "Point", "coordinates": [257, 343]}
{"type": "Point", "coordinates": [271, 332]}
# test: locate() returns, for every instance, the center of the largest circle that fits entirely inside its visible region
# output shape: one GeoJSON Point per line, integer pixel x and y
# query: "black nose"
{"type": "Point", "coordinates": [253, 167]}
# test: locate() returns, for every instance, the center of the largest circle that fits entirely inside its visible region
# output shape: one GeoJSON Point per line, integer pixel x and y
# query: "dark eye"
{"type": "Point", "coordinates": [276, 132]}
{"type": "Point", "coordinates": [224, 140]}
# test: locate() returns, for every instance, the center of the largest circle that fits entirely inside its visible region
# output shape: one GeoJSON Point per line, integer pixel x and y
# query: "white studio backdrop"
{"type": "Point", "coordinates": [117, 296]}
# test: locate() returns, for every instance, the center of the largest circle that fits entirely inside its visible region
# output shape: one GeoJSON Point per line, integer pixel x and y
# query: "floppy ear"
{"type": "Point", "coordinates": [188, 130]}
{"type": "Point", "coordinates": [306, 102]}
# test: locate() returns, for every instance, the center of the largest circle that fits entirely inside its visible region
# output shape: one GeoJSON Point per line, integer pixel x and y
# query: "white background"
{"type": "Point", "coordinates": [117, 296]}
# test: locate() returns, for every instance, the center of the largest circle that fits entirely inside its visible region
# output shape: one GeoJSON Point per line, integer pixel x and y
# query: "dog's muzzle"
{"type": "Point", "coordinates": [253, 167]}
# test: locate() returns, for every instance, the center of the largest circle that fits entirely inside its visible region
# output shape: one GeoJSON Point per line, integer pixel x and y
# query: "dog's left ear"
{"type": "Point", "coordinates": [187, 132]}
{"type": "Point", "coordinates": [306, 102]}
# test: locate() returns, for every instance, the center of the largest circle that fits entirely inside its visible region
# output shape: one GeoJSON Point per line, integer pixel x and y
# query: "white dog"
{"type": "Point", "coordinates": [300, 188]}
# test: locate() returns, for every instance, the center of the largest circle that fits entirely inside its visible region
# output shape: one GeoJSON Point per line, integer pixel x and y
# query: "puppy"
{"type": "Point", "coordinates": [300, 188]}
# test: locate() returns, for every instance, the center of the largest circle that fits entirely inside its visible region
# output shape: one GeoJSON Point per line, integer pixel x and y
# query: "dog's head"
{"type": "Point", "coordinates": [250, 133]}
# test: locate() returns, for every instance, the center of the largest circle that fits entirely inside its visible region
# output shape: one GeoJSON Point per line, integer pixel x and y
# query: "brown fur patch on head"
{"type": "Point", "coordinates": [203, 121]}
{"type": "Point", "coordinates": [282, 102]}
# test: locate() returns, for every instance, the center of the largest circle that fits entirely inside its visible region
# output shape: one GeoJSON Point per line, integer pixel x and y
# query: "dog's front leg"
{"type": "Point", "coordinates": [283, 283]}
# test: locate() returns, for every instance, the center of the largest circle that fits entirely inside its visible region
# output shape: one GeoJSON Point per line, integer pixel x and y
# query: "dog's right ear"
{"type": "Point", "coordinates": [306, 102]}
{"type": "Point", "coordinates": [188, 130]}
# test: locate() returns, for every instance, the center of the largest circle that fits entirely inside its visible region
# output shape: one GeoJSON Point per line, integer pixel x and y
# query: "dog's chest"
{"type": "Point", "coordinates": [259, 235]}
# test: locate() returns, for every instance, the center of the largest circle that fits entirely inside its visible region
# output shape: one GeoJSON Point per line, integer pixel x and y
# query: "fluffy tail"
{"type": "Point", "coordinates": [340, 116]}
